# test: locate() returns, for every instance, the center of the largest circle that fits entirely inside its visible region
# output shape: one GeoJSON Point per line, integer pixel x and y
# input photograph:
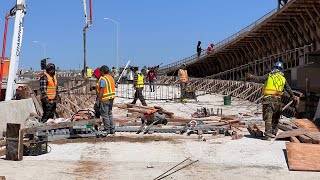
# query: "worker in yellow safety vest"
{"type": "Point", "coordinates": [274, 85]}
{"type": "Point", "coordinates": [49, 92]}
{"type": "Point", "coordinates": [138, 83]}
{"type": "Point", "coordinates": [184, 79]}
{"type": "Point", "coordinates": [106, 94]}
{"type": "Point", "coordinates": [89, 72]}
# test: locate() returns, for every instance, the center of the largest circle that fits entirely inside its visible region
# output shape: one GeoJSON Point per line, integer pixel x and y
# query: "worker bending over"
{"type": "Point", "coordinates": [138, 83]}
{"type": "Point", "coordinates": [49, 92]}
{"type": "Point", "coordinates": [274, 85]}
{"type": "Point", "coordinates": [184, 79]}
{"type": "Point", "coordinates": [106, 95]}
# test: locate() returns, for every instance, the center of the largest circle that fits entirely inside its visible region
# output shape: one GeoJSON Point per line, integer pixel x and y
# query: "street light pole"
{"type": "Point", "coordinates": [44, 46]}
{"type": "Point", "coordinates": [117, 24]}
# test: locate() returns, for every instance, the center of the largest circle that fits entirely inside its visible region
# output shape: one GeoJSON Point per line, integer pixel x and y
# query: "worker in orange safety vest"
{"type": "Point", "coordinates": [106, 95]}
{"type": "Point", "coordinates": [184, 79]}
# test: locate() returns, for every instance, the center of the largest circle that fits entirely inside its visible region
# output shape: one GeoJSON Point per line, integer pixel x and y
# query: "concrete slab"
{"type": "Point", "coordinates": [15, 111]}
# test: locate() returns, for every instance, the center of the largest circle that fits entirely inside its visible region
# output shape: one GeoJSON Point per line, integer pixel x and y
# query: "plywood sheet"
{"type": "Point", "coordinates": [306, 124]}
{"type": "Point", "coordinates": [303, 157]}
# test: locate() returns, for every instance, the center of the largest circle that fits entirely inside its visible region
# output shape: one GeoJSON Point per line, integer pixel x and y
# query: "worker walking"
{"type": "Point", "coordinates": [138, 83]}
{"type": "Point", "coordinates": [106, 95]}
{"type": "Point", "coordinates": [184, 79]}
{"type": "Point", "coordinates": [274, 85]}
{"type": "Point", "coordinates": [49, 92]}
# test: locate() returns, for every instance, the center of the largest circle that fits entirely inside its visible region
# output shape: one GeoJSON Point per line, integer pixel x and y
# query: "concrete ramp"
{"type": "Point", "coordinates": [15, 111]}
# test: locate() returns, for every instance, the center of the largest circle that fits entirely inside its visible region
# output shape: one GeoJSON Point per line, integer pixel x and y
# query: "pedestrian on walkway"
{"type": "Point", "coordinates": [49, 92]}
{"type": "Point", "coordinates": [138, 83]}
{"type": "Point", "coordinates": [274, 85]}
{"type": "Point", "coordinates": [199, 49]}
{"type": "Point", "coordinates": [152, 77]}
{"type": "Point", "coordinates": [107, 94]}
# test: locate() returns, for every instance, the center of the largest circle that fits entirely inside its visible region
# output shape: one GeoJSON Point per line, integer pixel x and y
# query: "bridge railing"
{"type": "Point", "coordinates": [291, 59]}
{"type": "Point", "coordinates": [189, 60]}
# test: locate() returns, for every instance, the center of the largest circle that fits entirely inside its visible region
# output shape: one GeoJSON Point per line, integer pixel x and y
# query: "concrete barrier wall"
{"type": "Point", "coordinates": [15, 112]}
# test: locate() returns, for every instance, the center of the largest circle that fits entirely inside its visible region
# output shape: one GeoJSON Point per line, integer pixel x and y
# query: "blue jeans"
{"type": "Point", "coordinates": [106, 114]}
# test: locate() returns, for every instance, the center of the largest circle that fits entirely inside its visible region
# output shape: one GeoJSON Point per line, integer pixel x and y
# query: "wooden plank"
{"type": "Point", "coordinates": [303, 157]}
{"type": "Point", "coordinates": [287, 134]}
{"type": "Point", "coordinates": [306, 124]}
{"type": "Point", "coordinates": [12, 144]}
{"type": "Point", "coordinates": [37, 104]}
{"type": "Point", "coordinates": [20, 145]}
{"type": "Point", "coordinates": [303, 138]}
{"type": "Point", "coordinates": [315, 136]}
{"type": "Point", "coordinates": [2, 152]}
{"type": "Point", "coordinates": [294, 139]}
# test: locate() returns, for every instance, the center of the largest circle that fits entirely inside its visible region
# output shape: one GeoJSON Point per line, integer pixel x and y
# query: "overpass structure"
{"type": "Point", "coordinates": [295, 27]}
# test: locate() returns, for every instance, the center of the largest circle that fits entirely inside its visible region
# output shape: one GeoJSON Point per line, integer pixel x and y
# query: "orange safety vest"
{"type": "Point", "coordinates": [150, 112]}
{"type": "Point", "coordinates": [183, 75]}
{"type": "Point", "coordinates": [109, 90]}
{"type": "Point", "coordinates": [52, 86]}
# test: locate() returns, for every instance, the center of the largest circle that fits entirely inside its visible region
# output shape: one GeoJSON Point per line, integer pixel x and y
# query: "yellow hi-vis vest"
{"type": "Point", "coordinates": [109, 90]}
{"type": "Point", "coordinates": [52, 86]}
{"type": "Point", "coordinates": [183, 75]}
{"type": "Point", "coordinates": [89, 73]}
{"type": "Point", "coordinates": [274, 85]}
{"type": "Point", "coordinates": [140, 82]}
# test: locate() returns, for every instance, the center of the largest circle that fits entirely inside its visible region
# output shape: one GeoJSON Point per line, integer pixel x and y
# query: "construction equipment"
{"type": "Point", "coordinates": [19, 12]}
{"type": "Point", "coordinates": [88, 25]}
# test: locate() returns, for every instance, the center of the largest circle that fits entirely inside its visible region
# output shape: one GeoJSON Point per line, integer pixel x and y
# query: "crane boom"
{"type": "Point", "coordinates": [16, 48]}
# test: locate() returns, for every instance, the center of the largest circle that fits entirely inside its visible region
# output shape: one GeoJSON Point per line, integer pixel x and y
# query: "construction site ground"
{"type": "Point", "coordinates": [132, 156]}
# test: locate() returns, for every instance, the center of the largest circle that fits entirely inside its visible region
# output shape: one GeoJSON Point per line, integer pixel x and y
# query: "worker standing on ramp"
{"type": "Point", "coordinates": [49, 92]}
{"type": "Point", "coordinates": [184, 79]}
{"type": "Point", "coordinates": [274, 85]}
{"type": "Point", "coordinates": [106, 94]}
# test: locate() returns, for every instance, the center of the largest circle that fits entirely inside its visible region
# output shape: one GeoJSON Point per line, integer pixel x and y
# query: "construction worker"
{"type": "Point", "coordinates": [138, 83]}
{"type": "Point", "coordinates": [184, 79]}
{"type": "Point", "coordinates": [49, 92]}
{"type": "Point", "coordinates": [106, 94]}
{"type": "Point", "coordinates": [274, 85]}
{"type": "Point", "coordinates": [155, 116]}
{"type": "Point", "coordinates": [282, 3]}
{"type": "Point", "coordinates": [89, 72]}
{"type": "Point", "coordinates": [96, 107]}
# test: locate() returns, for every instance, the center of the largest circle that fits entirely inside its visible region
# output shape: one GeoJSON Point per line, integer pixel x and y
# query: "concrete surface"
{"type": "Point", "coordinates": [15, 111]}
{"type": "Point", "coordinates": [219, 158]}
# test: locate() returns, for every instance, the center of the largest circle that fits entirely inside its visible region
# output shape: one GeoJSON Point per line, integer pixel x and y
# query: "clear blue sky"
{"type": "Point", "coordinates": [150, 32]}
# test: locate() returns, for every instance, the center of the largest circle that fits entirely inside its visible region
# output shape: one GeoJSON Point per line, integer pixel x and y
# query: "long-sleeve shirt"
{"type": "Point", "coordinates": [43, 89]}
{"type": "Point", "coordinates": [264, 78]}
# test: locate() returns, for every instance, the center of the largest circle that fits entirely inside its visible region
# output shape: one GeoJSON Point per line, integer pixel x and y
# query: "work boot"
{"type": "Point", "coordinates": [275, 131]}
{"type": "Point", "coordinates": [267, 136]}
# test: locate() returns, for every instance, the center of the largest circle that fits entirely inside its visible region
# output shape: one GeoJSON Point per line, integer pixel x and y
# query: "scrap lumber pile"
{"type": "Point", "coordinates": [303, 152]}
{"type": "Point", "coordinates": [301, 130]}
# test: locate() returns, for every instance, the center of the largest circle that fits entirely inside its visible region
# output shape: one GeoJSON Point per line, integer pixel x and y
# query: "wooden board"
{"type": "Point", "coordinates": [2, 152]}
{"type": "Point", "coordinates": [306, 124]}
{"type": "Point", "coordinates": [303, 138]}
{"type": "Point", "coordinates": [287, 134]}
{"type": "Point", "coordinates": [13, 144]}
{"type": "Point", "coordinates": [294, 139]}
{"type": "Point", "coordinates": [2, 143]}
{"type": "Point", "coordinates": [303, 157]}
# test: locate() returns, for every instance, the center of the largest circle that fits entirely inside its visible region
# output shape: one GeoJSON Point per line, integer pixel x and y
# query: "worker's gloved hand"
{"type": "Point", "coordinates": [295, 98]}
{"type": "Point", "coordinates": [248, 76]}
